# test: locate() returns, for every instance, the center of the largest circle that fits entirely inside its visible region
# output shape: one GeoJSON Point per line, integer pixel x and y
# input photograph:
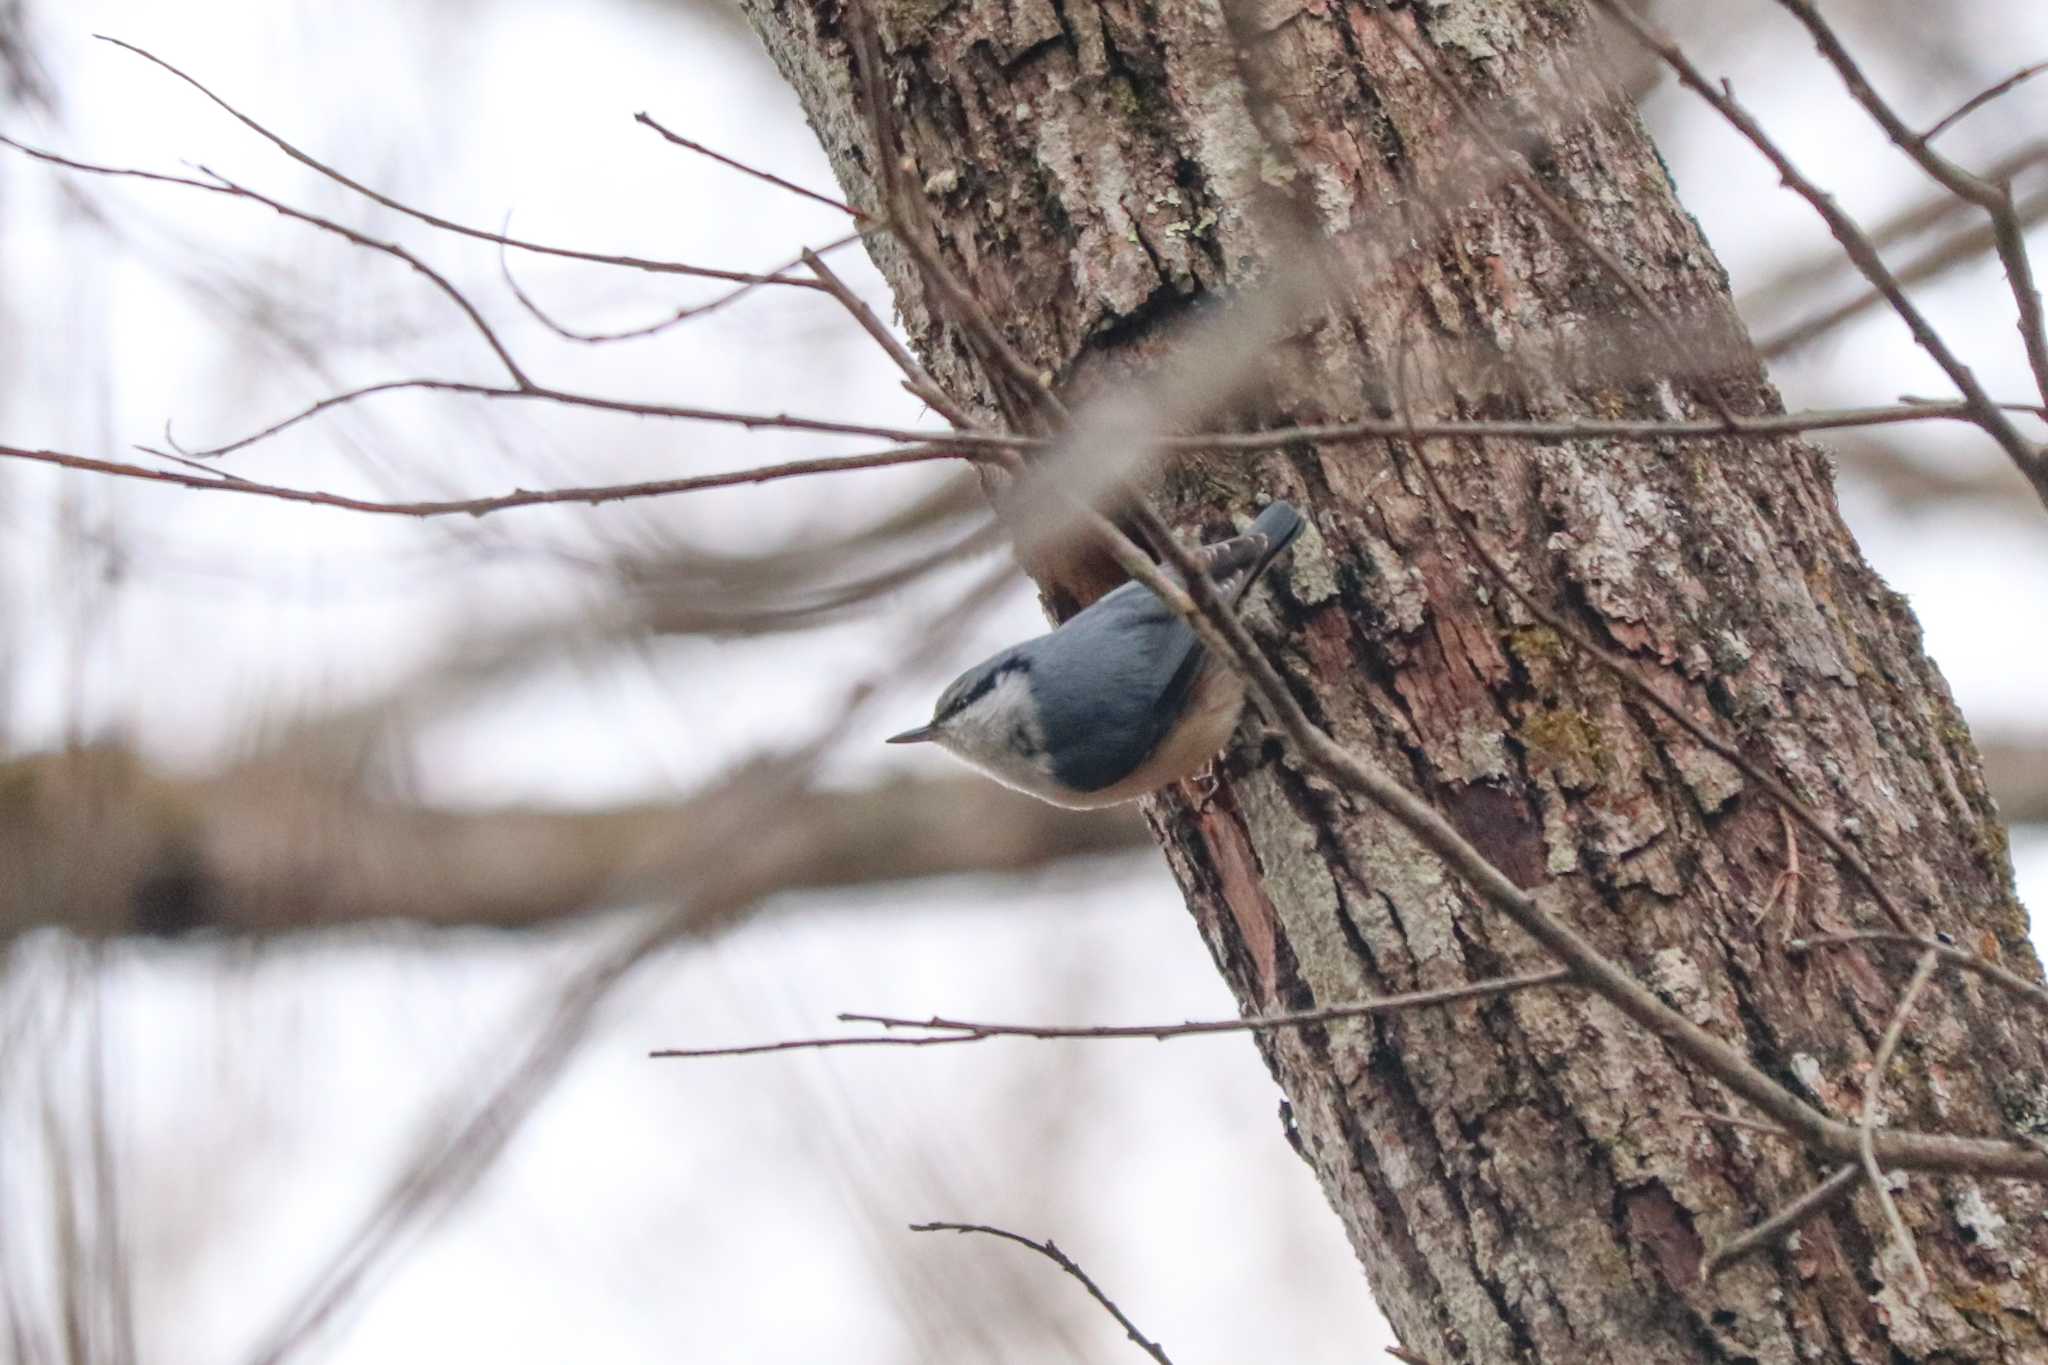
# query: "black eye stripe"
{"type": "Point", "coordinates": [981, 687]}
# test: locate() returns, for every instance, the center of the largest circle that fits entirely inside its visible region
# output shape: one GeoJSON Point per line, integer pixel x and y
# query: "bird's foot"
{"type": "Point", "coordinates": [1204, 784]}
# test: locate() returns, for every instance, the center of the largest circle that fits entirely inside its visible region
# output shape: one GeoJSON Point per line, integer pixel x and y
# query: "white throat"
{"type": "Point", "coordinates": [1000, 735]}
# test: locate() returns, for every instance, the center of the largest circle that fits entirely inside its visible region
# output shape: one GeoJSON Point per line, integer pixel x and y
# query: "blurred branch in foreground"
{"type": "Point", "coordinates": [101, 844]}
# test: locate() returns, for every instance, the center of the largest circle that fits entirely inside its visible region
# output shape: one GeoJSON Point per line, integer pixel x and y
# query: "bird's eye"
{"type": "Point", "coordinates": [1020, 740]}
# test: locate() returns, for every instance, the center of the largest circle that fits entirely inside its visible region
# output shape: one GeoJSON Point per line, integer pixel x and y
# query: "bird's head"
{"type": "Point", "coordinates": [988, 717]}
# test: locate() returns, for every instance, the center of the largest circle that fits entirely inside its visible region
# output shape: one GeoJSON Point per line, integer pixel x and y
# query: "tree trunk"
{"type": "Point", "coordinates": [1524, 1179]}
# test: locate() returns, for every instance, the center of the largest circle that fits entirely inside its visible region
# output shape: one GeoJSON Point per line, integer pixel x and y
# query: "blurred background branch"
{"type": "Point", "coordinates": [97, 843]}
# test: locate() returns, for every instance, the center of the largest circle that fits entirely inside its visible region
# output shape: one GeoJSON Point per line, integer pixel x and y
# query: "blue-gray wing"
{"type": "Point", "coordinates": [1113, 680]}
{"type": "Point", "coordinates": [1110, 683]}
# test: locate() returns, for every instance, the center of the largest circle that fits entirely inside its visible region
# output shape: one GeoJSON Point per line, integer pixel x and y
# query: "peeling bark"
{"type": "Point", "coordinates": [1516, 1175]}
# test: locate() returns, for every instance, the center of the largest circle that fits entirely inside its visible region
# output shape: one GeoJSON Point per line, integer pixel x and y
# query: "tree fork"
{"type": "Point", "coordinates": [1528, 1177]}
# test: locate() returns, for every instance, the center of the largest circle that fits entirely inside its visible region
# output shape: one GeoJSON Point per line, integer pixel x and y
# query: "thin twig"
{"type": "Point", "coordinates": [920, 380]}
{"type": "Point", "coordinates": [392, 249]}
{"type": "Point", "coordinates": [981, 439]}
{"type": "Point", "coordinates": [683, 314]}
{"type": "Point", "coordinates": [1866, 1126]}
{"type": "Point", "coordinates": [1784, 1222]}
{"type": "Point", "coordinates": [448, 224]}
{"type": "Point", "coordinates": [2029, 991]}
{"type": "Point", "coordinates": [1766, 427]}
{"type": "Point", "coordinates": [1065, 1262]}
{"type": "Point", "coordinates": [1980, 99]}
{"type": "Point", "coordinates": [781, 421]}
{"type": "Point", "coordinates": [1447, 995]}
{"type": "Point", "coordinates": [646, 119]}
{"type": "Point", "coordinates": [219, 184]}
{"type": "Point", "coordinates": [477, 507]}
{"type": "Point", "coordinates": [1786, 884]}
{"type": "Point", "coordinates": [1737, 1121]}
{"type": "Point", "coordinates": [943, 1030]}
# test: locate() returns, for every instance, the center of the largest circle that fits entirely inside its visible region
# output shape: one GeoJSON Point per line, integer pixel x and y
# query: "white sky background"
{"type": "Point", "coordinates": [738, 1210]}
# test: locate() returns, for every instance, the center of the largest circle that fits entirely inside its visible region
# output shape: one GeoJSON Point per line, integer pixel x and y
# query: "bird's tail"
{"type": "Point", "coordinates": [1236, 564]}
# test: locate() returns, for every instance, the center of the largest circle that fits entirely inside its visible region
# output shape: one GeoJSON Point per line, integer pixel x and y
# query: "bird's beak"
{"type": "Point", "coordinates": [917, 736]}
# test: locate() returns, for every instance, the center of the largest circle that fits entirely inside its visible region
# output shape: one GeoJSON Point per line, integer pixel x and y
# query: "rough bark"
{"type": "Point", "coordinates": [1519, 1178]}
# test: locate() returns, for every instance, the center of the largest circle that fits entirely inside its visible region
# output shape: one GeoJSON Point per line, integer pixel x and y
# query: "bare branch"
{"type": "Point", "coordinates": [219, 184]}
{"type": "Point", "coordinates": [743, 168]}
{"type": "Point", "coordinates": [752, 421]}
{"type": "Point", "coordinates": [683, 314]}
{"type": "Point", "coordinates": [282, 846]}
{"type": "Point", "coordinates": [1392, 1004]}
{"type": "Point", "coordinates": [917, 378]}
{"type": "Point", "coordinates": [1784, 1222]}
{"type": "Point", "coordinates": [591, 495]}
{"type": "Point", "coordinates": [1866, 1126]}
{"type": "Point", "coordinates": [1979, 100]}
{"type": "Point", "coordinates": [964, 445]}
{"type": "Point", "coordinates": [1737, 1121]}
{"type": "Point", "coordinates": [1066, 1263]}
{"type": "Point", "coordinates": [943, 1030]}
